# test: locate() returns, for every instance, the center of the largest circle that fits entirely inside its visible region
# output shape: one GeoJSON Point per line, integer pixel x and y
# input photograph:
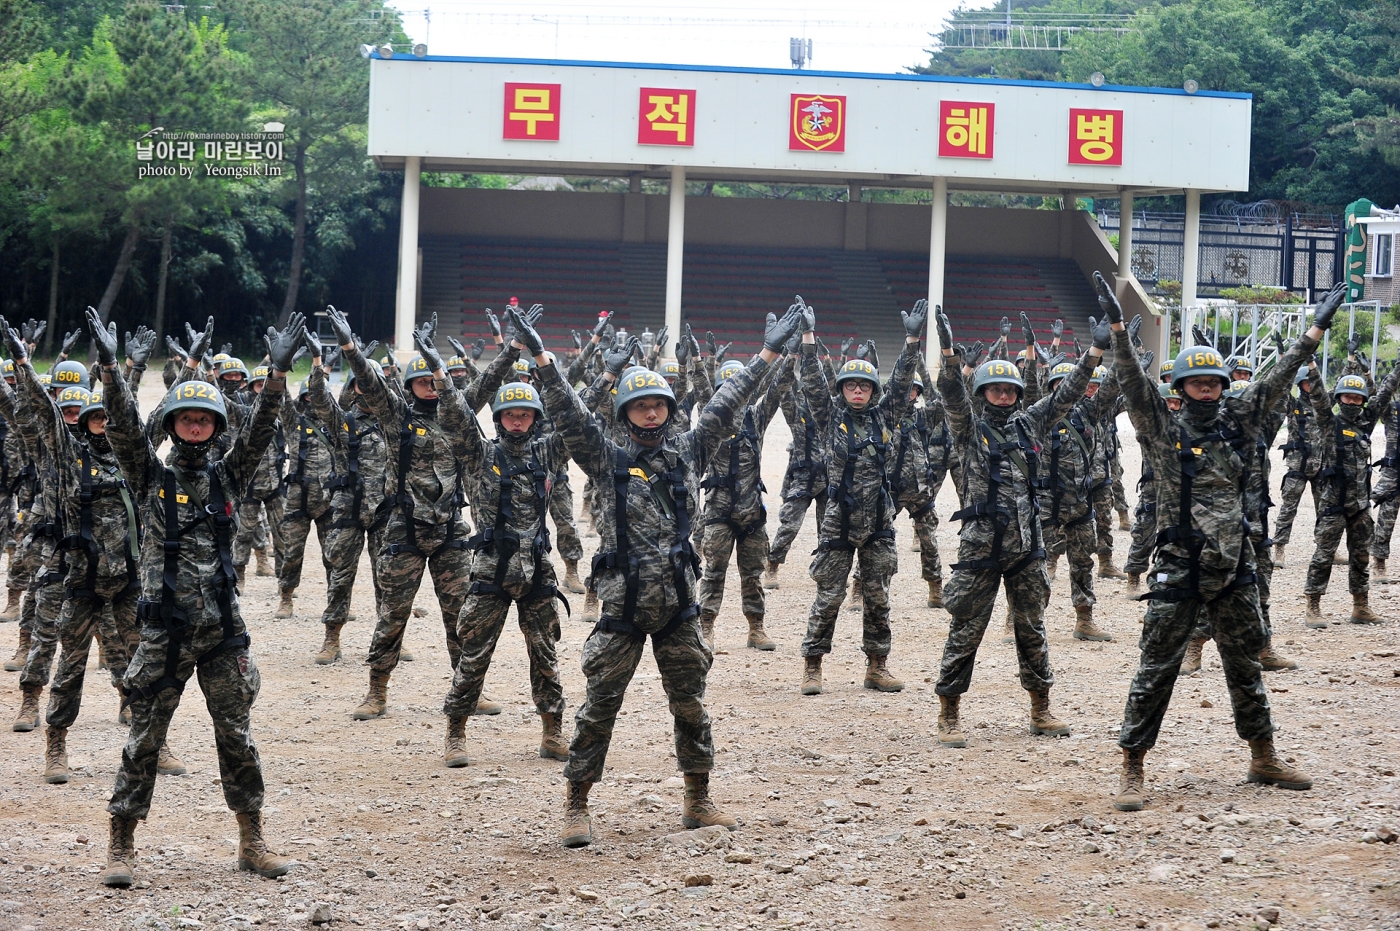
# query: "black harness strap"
{"type": "Point", "coordinates": [730, 481]}
{"type": "Point", "coordinates": [403, 500]}
{"type": "Point", "coordinates": [504, 542]}
{"type": "Point", "coordinates": [1023, 456]}
{"type": "Point", "coordinates": [844, 493]}
{"type": "Point", "coordinates": [1338, 474]}
{"type": "Point", "coordinates": [85, 540]}
{"type": "Point", "coordinates": [352, 479]}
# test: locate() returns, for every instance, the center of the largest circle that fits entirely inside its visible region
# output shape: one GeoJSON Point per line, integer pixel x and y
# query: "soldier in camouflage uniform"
{"type": "Point", "coordinates": [306, 492]}
{"type": "Point", "coordinates": [911, 485]}
{"type": "Point", "coordinates": [1144, 532]}
{"type": "Point", "coordinates": [804, 482]}
{"type": "Point", "coordinates": [1105, 455]}
{"type": "Point", "coordinates": [1302, 458]}
{"type": "Point", "coordinates": [1344, 504]}
{"type": "Point", "coordinates": [856, 421]}
{"type": "Point", "coordinates": [189, 597]}
{"type": "Point", "coordinates": [1385, 494]}
{"type": "Point", "coordinates": [20, 489]}
{"type": "Point", "coordinates": [1000, 544]}
{"type": "Point", "coordinates": [1203, 570]}
{"type": "Point", "coordinates": [646, 574]}
{"type": "Point", "coordinates": [260, 511]}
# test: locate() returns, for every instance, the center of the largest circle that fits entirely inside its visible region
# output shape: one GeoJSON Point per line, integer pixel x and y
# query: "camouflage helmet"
{"type": "Point", "coordinates": [727, 370]}
{"type": "Point", "coordinates": [550, 359]}
{"type": "Point", "coordinates": [998, 372]}
{"type": "Point", "coordinates": [93, 405]}
{"type": "Point", "coordinates": [1166, 390]}
{"type": "Point", "coordinates": [670, 368]}
{"type": "Point", "coordinates": [417, 368]}
{"type": "Point", "coordinates": [1241, 364]}
{"type": "Point", "coordinates": [231, 365]}
{"type": "Point", "coordinates": [260, 374]}
{"type": "Point", "coordinates": [917, 382]}
{"type": "Point", "coordinates": [1195, 361]}
{"type": "Point", "coordinates": [73, 396]}
{"type": "Point", "coordinates": [195, 396]}
{"type": "Point", "coordinates": [522, 366]}
{"type": "Point", "coordinates": [1100, 373]}
{"type": "Point", "coordinates": [641, 382]}
{"type": "Point", "coordinates": [1165, 370]}
{"type": "Point", "coordinates": [1303, 374]}
{"type": "Point", "coordinates": [7, 369]}
{"type": "Point", "coordinates": [1238, 386]}
{"type": "Point", "coordinates": [1351, 384]}
{"type": "Point", "coordinates": [456, 364]}
{"type": "Point", "coordinates": [387, 364]}
{"type": "Point", "coordinates": [516, 394]}
{"type": "Point", "coordinates": [69, 373]}
{"type": "Point", "coordinates": [1061, 370]}
{"type": "Point", "coordinates": [859, 370]}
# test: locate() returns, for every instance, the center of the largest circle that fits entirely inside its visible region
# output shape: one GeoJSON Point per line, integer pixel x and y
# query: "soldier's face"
{"type": "Point", "coordinates": [914, 393]}
{"type": "Point", "coordinates": [194, 426]}
{"type": "Point", "coordinates": [1173, 404]}
{"type": "Point", "coordinates": [1091, 390]}
{"type": "Point", "coordinates": [1000, 395]}
{"type": "Point", "coordinates": [70, 414]}
{"type": "Point", "coordinates": [857, 392]}
{"type": "Point", "coordinates": [423, 388]}
{"type": "Point", "coordinates": [1239, 375]}
{"type": "Point", "coordinates": [517, 420]}
{"type": "Point", "coordinates": [648, 412]}
{"type": "Point", "coordinates": [1353, 399]}
{"type": "Point", "coordinates": [258, 387]}
{"type": "Point", "coordinates": [97, 423]}
{"type": "Point", "coordinates": [1203, 387]}
{"type": "Point", "coordinates": [232, 382]}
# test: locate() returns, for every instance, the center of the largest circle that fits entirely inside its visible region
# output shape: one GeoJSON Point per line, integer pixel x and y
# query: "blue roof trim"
{"type": "Point", "coordinates": [927, 78]}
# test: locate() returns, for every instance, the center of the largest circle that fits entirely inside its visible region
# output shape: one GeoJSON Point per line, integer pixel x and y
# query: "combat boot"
{"type": "Point", "coordinates": [1123, 523]}
{"type": "Point", "coordinates": [264, 569]}
{"type": "Point", "coordinates": [253, 855]}
{"type": "Point", "coordinates": [1312, 617]}
{"type": "Point", "coordinates": [1361, 612]}
{"type": "Point", "coordinates": [878, 676]}
{"type": "Point", "coordinates": [241, 573]}
{"type": "Point", "coordinates": [1265, 767]}
{"type": "Point", "coordinates": [28, 717]}
{"type": "Point", "coordinates": [758, 637]}
{"type": "Point", "coordinates": [1107, 570]}
{"type": "Point", "coordinates": [935, 593]}
{"type": "Point", "coordinates": [949, 732]}
{"type": "Point", "coordinates": [578, 824]}
{"type": "Point", "coordinates": [571, 580]}
{"type": "Point", "coordinates": [1042, 721]}
{"type": "Point", "coordinates": [11, 612]}
{"type": "Point", "coordinates": [16, 662]}
{"type": "Point", "coordinates": [454, 752]}
{"type": "Point", "coordinates": [1134, 583]}
{"type": "Point", "coordinates": [102, 663]}
{"type": "Point", "coordinates": [1129, 796]}
{"type": "Point", "coordinates": [1052, 566]}
{"type": "Point", "coordinates": [552, 745]}
{"type": "Point", "coordinates": [770, 578]}
{"type": "Point", "coordinates": [376, 701]}
{"type": "Point", "coordinates": [589, 614]}
{"type": "Point", "coordinates": [698, 811]}
{"type": "Point", "coordinates": [857, 602]}
{"type": "Point", "coordinates": [56, 756]}
{"type": "Point", "coordinates": [284, 609]}
{"type": "Point", "coordinates": [167, 763]}
{"type": "Point", "coordinates": [1084, 626]}
{"type": "Point", "coordinates": [707, 628]}
{"type": "Point", "coordinates": [1274, 661]}
{"type": "Point", "coordinates": [330, 648]}
{"type": "Point", "coordinates": [124, 715]}
{"type": "Point", "coordinates": [1009, 631]}
{"type": "Point", "coordinates": [812, 676]}
{"type": "Point", "coordinates": [1377, 572]}
{"type": "Point", "coordinates": [1191, 659]}
{"type": "Point", "coordinates": [121, 853]}
{"type": "Point", "coordinates": [1278, 555]}
{"type": "Point", "coordinates": [485, 706]}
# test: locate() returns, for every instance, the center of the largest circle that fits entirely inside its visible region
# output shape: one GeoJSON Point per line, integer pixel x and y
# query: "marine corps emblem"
{"type": "Point", "coordinates": [817, 123]}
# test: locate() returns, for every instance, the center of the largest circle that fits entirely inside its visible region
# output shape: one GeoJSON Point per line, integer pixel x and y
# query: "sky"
{"type": "Point", "coordinates": [878, 36]}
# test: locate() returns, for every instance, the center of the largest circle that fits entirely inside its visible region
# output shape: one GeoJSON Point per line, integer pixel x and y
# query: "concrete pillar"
{"type": "Point", "coordinates": [406, 308]}
{"type": "Point", "coordinates": [1190, 263]}
{"type": "Point", "coordinates": [1125, 235]}
{"type": "Point", "coordinates": [853, 192]}
{"type": "Point", "coordinates": [675, 254]}
{"type": "Point", "coordinates": [937, 252]}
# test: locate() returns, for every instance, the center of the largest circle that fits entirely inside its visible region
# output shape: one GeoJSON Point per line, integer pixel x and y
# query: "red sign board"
{"type": "Point", "coordinates": [532, 112]}
{"type": "Point", "coordinates": [666, 116]}
{"type": "Point", "coordinates": [1096, 137]}
{"type": "Point", "coordinates": [966, 129]}
{"type": "Point", "coordinates": [817, 123]}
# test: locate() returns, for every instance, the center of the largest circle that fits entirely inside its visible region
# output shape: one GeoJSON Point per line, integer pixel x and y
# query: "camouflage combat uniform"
{"type": "Point", "coordinates": [1386, 492]}
{"type": "Point", "coordinates": [1204, 570]}
{"type": "Point", "coordinates": [804, 482]}
{"type": "Point", "coordinates": [260, 510]}
{"type": "Point", "coordinates": [1302, 460]}
{"type": "Point", "coordinates": [911, 484]}
{"type": "Point", "coordinates": [1105, 465]}
{"type": "Point", "coordinates": [306, 489]}
{"type": "Point", "coordinates": [194, 624]}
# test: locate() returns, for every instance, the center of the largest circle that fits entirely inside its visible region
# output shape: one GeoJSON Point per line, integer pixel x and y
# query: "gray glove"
{"type": "Point", "coordinates": [780, 329]}
{"type": "Point", "coordinates": [1353, 344]}
{"type": "Point", "coordinates": [915, 319]}
{"type": "Point", "coordinates": [808, 320]}
{"type": "Point", "coordinates": [478, 348]}
{"type": "Point", "coordinates": [602, 324]}
{"type": "Point", "coordinates": [1108, 302]}
{"type": "Point", "coordinates": [425, 338]}
{"type": "Point", "coordinates": [871, 354]}
{"type": "Point", "coordinates": [617, 358]}
{"type": "Point", "coordinates": [945, 329]}
{"type": "Point", "coordinates": [69, 341]}
{"type": "Point", "coordinates": [683, 346]}
{"type": "Point", "coordinates": [457, 348]}
{"type": "Point", "coordinates": [281, 344]}
{"type": "Point", "coordinates": [140, 346]}
{"type": "Point", "coordinates": [312, 342]}
{"type": "Point", "coordinates": [1026, 330]}
{"type": "Point", "coordinates": [173, 345]}
{"type": "Point", "coordinates": [1005, 328]}
{"type": "Point", "coordinates": [15, 343]}
{"type": "Point", "coordinates": [1133, 328]}
{"type": "Point", "coordinates": [199, 341]}
{"type": "Point", "coordinates": [330, 355]}
{"type": "Point", "coordinates": [493, 323]}
{"type": "Point", "coordinates": [1057, 329]}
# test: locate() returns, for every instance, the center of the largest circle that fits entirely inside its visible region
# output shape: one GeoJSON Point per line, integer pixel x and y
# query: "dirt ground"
{"type": "Point", "coordinates": [852, 815]}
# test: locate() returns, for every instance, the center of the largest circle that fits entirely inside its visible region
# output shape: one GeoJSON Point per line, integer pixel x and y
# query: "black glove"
{"type": "Point", "coordinates": [15, 343]}
{"type": "Point", "coordinates": [478, 348]}
{"type": "Point", "coordinates": [425, 338]}
{"type": "Point", "coordinates": [662, 337]}
{"type": "Point", "coordinates": [173, 345]}
{"type": "Point", "coordinates": [1042, 354]}
{"type": "Point", "coordinates": [1327, 307]}
{"type": "Point", "coordinates": [312, 342]}
{"type": "Point", "coordinates": [780, 329]}
{"type": "Point", "coordinates": [1005, 328]}
{"type": "Point", "coordinates": [945, 329]}
{"type": "Point", "coordinates": [1078, 349]}
{"type": "Point", "coordinates": [139, 347]}
{"type": "Point", "coordinates": [1101, 332]}
{"type": "Point", "coordinates": [533, 315]}
{"type": "Point", "coordinates": [522, 331]}
{"type": "Point", "coordinates": [603, 321]}
{"type": "Point", "coordinates": [1108, 301]}
{"type": "Point", "coordinates": [794, 344]}
{"type": "Point", "coordinates": [683, 346]}
{"type": "Point", "coordinates": [1134, 327]}
{"type": "Point", "coordinates": [69, 341]}
{"type": "Point", "coordinates": [1026, 330]}
{"type": "Point", "coordinates": [493, 323]}
{"type": "Point", "coordinates": [1055, 360]}
{"type": "Point", "coordinates": [1353, 344]}
{"type": "Point", "coordinates": [862, 349]}
{"type": "Point", "coordinates": [1363, 358]}
{"type": "Point", "coordinates": [617, 358]}
{"type": "Point", "coordinates": [710, 343]}
{"type": "Point", "coordinates": [694, 343]}
{"type": "Point", "coordinates": [871, 354]}
{"type": "Point", "coordinates": [297, 356]}
{"type": "Point", "coordinates": [846, 347]}
{"type": "Point", "coordinates": [199, 341]}
{"type": "Point", "coordinates": [808, 321]}
{"type": "Point", "coordinates": [915, 319]}
{"type": "Point", "coordinates": [722, 351]}
{"type": "Point", "coordinates": [330, 355]}
{"type": "Point", "coordinates": [367, 349]}
{"type": "Point", "coordinates": [457, 348]}
{"type": "Point", "coordinates": [1278, 342]}
{"type": "Point", "coordinates": [343, 334]}
{"type": "Point", "coordinates": [1057, 329]}
{"type": "Point", "coordinates": [103, 339]}
{"type": "Point", "coordinates": [1201, 337]}
{"type": "Point", "coordinates": [281, 344]}
{"type": "Point", "coordinates": [227, 349]}
{"type": "Point", "coordinates": [822, 348]}
{"type": "Point", "coordinates": [578, 340]}
{"type": "Point", "coordinates": [1147, 358]}
{"type": "Point", "coordinates": [979, 354]}
{"type": "Point", "coordinates": [31, 330]}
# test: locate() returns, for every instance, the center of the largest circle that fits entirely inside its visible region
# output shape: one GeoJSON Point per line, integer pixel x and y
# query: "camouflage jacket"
{"type": "Point", "coordinates": [198, 585]}
{"type": "Point", "coordinates": [1345, 449]}
{"type": "Point", "coordinates": [526, 469]}
{"type": "Point", "coordinates": [310, 469]}
{"type": "Point", "coordinates": [857, 448]}
{"type": "Point", "coordinates": [653, 526]}
{"type": "Point", "coordinates": [371, 463]}
{"type": "Point", "coordinates": [1216, 523]}
{"type": "Point", "coordinates": [806, 470]}
{"type": "Point", "coordinates": [1010, 509]}
{"type": "Point", "coordinates": [733, 482]}
{"type": "Point", "coordinates": [36, 498]}
{"type": "Point", "coordinates": [1303, 451]}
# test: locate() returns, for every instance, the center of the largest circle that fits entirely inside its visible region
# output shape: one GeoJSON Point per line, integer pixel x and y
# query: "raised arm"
{"type": "Point", "coordinates": [384, 405]}
{"type": "Point", "coordinates": [458, 420]}
{"type": "Point", "coordinates": [136, 456]}
{"type": "Point", "coordinates": [251, 441]}
{"type": "Point", "coordinates": [479, 395]}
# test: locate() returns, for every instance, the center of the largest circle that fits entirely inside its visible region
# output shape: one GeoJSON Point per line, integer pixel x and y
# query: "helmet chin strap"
{"type": "Point", "coordinates": [646, 434]}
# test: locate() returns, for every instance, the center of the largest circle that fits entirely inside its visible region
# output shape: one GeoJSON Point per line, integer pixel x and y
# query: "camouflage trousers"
{"type": "Point", "coordinates": [1359, 528]}
{"type": "Point", "coordinates": [112, 616]}
{"type": "Point", "coordinates": [1074, 537]}
{"type": "Point", "coordinates": [1293, 484]}
{"type": "Point", "coordinates": [1144, 535]}
{"type": "Point", "coordinates": [479, 628]}
{"type": "Point", "coordinates": [925, 518]}
{"type": "Point", "coordinates": [401, 573]}
{"type": "Point", "coordinates": [296, 528]}
{"type": "Point", "coordinates": [1103, 519]}
{"type": "Point", "coordinates": [790, 518]}
{"type": "Point", "coordinates": [8, 525]}
{"type": "Point", "coordinates": [47, 594]}
{"type": "Point", "coordinates": [1264, 582]}
{"type": "Point", "coordinates": [1386, 494]}
{"type": "Point", "coordinates": [254, 516]}
{"type": "Point", "coordinates": [609, 661]}
{"type": "Point", "coordinates": [1120, 495]}
{"type": "Point", "coordinates": [751, 553]}
{"type": "Point", "coordinates": [28, 557]}
{"type": "Point", "coordinates": [969, 597]}
{"type": "Point", "coordinates": [830, 569]}
{"type": "Point", "coordinates": [1240, 634]}
{"type": "Point", "coordinates": [230, 684]}
{"type": "Point", "coordinates": [342, 542]}
{"type": "Point", "coordinates": [561, 509]}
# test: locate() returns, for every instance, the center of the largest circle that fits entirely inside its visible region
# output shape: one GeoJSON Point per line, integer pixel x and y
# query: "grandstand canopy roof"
{"type": "Point", "coordinates": [749, 124]}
